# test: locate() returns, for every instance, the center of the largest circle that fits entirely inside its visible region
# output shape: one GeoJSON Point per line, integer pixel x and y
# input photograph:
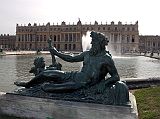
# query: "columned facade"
{"type": "Point", "coordinates": [123, 38]}
{"type": "Point", "coordinates": [7, 42]}
{"type": "Point", "coordinates": [149, 43]}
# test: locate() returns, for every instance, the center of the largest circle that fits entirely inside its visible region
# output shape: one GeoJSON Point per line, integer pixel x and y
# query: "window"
{"type": "Point", "coordinates": [31, 37]}
{"type": "Point", "coordinates": [78, 36]}
{"type": "Point", "coordinates": [74, 37]}
{"type": "Point", "coordinates": [70, 37]}
{"type": "Point", "coordinates": [123, 38]}
{"type": "Point", "coordinates": [55, 38]}
{"type": "Point", "coordinates": [128, 29]}
{"type": "Point", "coordinates": [40, 46]}
{"type": "Point", "coordinates": [62, 37]}
{"type": "Point", "coordinates": [44, 37]}
{"type": "Point", "coordinates": [148, 43]}
{"type": "Point", "coordinates": [30, 46]}
{"type": "Point", "coordinates": [66, 37]}
{"type": "Point", "coordinates": [22, 46]}
{"type": "Point", "coordinates": [133, 39]}
{"type": "Point", "coordinates": [116, 29]}
{"type": "Point", "coordinates": [127, 38]}
{"type": "Point", "coordinates": [26, 37]}
{"type": "Point", "coordinates": [103, 28]}
{"type": "Point", "coordinates": [74, 46]}
{"type": "Point", "coordinates": [69, 46]}
{"type": "Point", "coordinates": [65, 46]}
{"type": "Point", "coordinates": [58, 46]}
{"type": "Point", "coordinates": [55, 45]}
{"type": "Point", "coordinates": [154, 44]}
{"type": "Point", "coordinates": [58, 38]}
{"type": "Point", "coordinates": [22, 38]}
{"type": "Point", "coordinates": [37, 38]}
{"type": "Point", "coordinates": [18, 45]}
{"type": "Point", "coordinates": [40, 37]}
{"type": "Point", "coordinates": [115, 38]}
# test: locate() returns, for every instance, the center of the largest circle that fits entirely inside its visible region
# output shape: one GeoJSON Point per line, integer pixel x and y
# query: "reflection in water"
{"type": "Point", "coordinates": [7, 72]}
{"type": "Point", "coordinates": [137, 67]}
{"type": "Point", "coordinates": [13, 68]}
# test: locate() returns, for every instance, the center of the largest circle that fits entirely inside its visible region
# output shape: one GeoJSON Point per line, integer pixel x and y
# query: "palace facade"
{"type": "Point", "coordinates": [149, 43]}
{"type": "Point", "coordinates": [124, 38]}
{"type": "Point", "coordinates": [7, 42]}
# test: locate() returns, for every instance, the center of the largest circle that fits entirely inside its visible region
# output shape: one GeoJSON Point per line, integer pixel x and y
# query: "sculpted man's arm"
{"type": "Point", "coordinates": [108, 67]}
{"type": "Point", "coordinates": [67, 58]}
{"type": "Point", "coordinates": [113, 72]}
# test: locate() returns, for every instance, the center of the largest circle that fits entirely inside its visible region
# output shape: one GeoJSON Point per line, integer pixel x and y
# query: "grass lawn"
{"type": "Point", "coordinates": [148, 102]}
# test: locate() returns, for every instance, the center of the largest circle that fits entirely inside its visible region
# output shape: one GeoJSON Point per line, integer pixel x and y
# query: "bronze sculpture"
{"type": "Point", "coordinates": [97, 64]}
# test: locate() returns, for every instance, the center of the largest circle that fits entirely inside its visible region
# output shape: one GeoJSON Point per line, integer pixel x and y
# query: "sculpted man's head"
{"type": "Point", "coordinates": [99, 41]}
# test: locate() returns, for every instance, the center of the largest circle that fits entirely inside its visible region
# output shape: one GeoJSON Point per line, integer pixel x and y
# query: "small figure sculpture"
{"type": "Point", "coordinates": [97, 63]}
{"type": "Point", "coordinates": [39, 66]}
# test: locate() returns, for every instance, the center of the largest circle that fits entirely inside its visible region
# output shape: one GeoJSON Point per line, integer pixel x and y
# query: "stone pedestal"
{"type": "Point", "coordinates": [41, 108]}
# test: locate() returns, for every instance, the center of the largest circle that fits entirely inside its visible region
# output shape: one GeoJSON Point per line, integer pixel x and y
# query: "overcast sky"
{"type": "Point", "coordinates": [43, 11]}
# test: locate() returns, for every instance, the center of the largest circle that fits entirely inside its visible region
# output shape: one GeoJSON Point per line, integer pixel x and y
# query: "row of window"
{"type": "Point", "coordinates": [153, 44]}
{"type": "Point", "coordinates": [125, 38]}
{"type": "Point", "coordinates": [110, 28]}
{"type": "Point", "coordinates": [66, 46]}
{"type": "Point", "coordinates": [44, 47]}
{"type": "Point", "coordinates": [56, 38]}
{"type": "Point", "coordinates": [45, 29]}
{"type": "Point", "coordinates": [129, 38]}
{"type": "Point", "coordinates": [75, 28]}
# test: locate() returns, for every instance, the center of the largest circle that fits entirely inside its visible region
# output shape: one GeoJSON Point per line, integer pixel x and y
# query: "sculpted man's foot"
{"type": "Point", "coordinates": [23, 84]}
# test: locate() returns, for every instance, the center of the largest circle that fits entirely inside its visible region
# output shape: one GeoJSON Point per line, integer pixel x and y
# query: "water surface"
{"type": "Point", "coordinates": [14, 68]}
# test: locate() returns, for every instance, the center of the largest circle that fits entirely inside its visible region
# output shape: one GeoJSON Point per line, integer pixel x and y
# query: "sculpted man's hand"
{"type": "Point", "coordinates": [101, 87]}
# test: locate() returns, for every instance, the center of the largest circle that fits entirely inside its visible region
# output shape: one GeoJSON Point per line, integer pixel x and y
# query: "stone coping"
{"type": "Point", "coordinates": [42, 108]}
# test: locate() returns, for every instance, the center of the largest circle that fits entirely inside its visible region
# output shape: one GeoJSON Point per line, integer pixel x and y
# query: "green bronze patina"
{"type": "Point", "coordinates": [91, 84]}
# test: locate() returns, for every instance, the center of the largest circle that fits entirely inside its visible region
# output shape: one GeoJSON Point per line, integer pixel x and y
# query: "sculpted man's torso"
{"type": "Point", "coordinates": [92, 64]}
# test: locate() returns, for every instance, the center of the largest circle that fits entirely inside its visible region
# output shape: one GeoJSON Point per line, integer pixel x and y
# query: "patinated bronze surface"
{"type": "Point", "coordinates": [91, 84]}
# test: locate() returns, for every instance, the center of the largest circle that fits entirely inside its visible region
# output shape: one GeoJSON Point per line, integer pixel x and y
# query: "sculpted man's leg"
{"type": "Point", "coordinates": [36, 80]}
{"type": "Point", "coordinates": [45, 76]}
{"type": "Point", "coordinates": [63, 87]}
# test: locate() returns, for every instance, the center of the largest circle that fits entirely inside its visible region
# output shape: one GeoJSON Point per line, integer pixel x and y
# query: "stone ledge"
{"type": "Point", "coordinates": [42, 108]}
